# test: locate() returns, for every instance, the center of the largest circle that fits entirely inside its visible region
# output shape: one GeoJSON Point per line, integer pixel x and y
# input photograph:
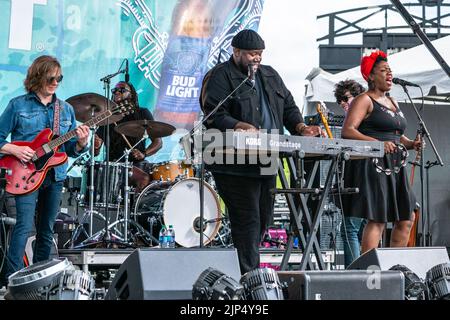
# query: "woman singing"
{"type": "Point", "coordinates": [384, 192]}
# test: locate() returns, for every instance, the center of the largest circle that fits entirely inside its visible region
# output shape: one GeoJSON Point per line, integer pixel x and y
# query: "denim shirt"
{"type": "Point", "coordinates": [26, 116]}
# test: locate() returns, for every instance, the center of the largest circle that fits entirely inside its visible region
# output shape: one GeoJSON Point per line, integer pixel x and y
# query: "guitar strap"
{"type": "Point", "coordinates": [56, 118]}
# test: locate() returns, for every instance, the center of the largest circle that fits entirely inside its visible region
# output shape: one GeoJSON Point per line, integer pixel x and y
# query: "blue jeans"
{"type": "Point", "coordinates": [47, 199]}
{"type": "Point", "coordinates": [351, 234]}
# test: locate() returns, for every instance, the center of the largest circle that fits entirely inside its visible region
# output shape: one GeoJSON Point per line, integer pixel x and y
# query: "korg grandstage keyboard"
{"type": "Point", "coordinates": [254, 143]}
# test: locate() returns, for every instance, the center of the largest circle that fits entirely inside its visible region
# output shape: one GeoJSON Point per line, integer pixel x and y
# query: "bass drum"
{"type": "Point", "coordinates": [178, 204]}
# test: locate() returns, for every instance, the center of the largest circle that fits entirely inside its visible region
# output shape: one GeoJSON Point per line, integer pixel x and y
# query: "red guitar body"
{"type": "Point", "coordinates": [28, 177]}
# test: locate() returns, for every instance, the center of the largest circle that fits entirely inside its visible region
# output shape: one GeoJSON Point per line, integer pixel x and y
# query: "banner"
{"type": "Point", "coordinates": [170, 45]}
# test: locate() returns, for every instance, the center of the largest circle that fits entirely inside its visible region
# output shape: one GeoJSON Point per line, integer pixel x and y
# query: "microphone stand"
{"type": "Point", "coordinates": [127, 220]}
{"type": "Point", "coordinates": [107, 86]}
{"type": "Point", "coordinates": [90, 212]}
{"type": "Point", "coordinates": [192, 134]}
{"type": "Point", "coordinates": [91, 178]}
{"type": "Point", "coordinates": [424, 133]}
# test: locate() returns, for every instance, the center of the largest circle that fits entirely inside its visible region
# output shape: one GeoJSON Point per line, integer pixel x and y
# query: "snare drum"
{"type": "Point", "coordinates": [171, 170]}
{"type": "Point", "coordinates": [178, 204]}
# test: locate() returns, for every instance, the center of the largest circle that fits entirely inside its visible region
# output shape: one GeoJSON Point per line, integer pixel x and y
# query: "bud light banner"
{"type": "Point", "coordinates": [169, 45]}
{"type": "Point", "coordinates": [196, 26]}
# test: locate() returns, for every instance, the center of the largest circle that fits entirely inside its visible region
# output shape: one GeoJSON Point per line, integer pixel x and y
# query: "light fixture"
{"type": "Point", "coordinates": [72, 285]}
{"type": "Point", "coordinates": [50, 280]}
{"type": "Point", "coordinates": [438, 280]}
{"type": "Point", "coordinates": [213, 284]}
{"type": "Point", "coordinates": [415, 288]}
{"type": "Point", "coordinates": [31, 283]}
{"type": "Point", "coordinates": [262, 284]}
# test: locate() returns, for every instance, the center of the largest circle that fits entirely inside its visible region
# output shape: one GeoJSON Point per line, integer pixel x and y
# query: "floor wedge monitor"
{"type": "Point", "coordinates": [155, 274]}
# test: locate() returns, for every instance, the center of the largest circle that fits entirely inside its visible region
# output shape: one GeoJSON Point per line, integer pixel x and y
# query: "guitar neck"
{"type": "Point", "coordinates": [71, 134]}
{"type": "Point", "coordinates": [324, 121]}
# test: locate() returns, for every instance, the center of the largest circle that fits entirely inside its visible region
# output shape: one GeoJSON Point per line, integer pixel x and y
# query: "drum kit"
{"type": "Point", "coordinates": [143, 199]}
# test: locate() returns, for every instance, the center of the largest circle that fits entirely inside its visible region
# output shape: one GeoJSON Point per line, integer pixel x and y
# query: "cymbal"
{"type": "Point", "coordinates": [155, 129]}
{"type": "Point", "coordinates": [87, 103]}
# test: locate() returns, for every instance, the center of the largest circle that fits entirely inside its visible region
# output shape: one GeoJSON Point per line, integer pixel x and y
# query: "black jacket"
{"type": "Point", "coordinates": [244, 104]}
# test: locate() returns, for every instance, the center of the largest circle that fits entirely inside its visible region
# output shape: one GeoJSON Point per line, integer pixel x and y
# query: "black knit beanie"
{"type": "Point", "coordinates": [248, 40]}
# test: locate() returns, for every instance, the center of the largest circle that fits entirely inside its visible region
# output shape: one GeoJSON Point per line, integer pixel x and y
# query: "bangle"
{"type": "Point", "coordinates": [302, 129]}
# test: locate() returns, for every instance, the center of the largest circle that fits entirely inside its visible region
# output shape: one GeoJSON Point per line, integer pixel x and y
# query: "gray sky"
{"type": "Point", "coordinates": [290, 29]}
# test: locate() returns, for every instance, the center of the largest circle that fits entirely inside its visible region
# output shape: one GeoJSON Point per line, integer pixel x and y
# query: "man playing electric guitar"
{"type": "Point", "coordinates": [24, 118]}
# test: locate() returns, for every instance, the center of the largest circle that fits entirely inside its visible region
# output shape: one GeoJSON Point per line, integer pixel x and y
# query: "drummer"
{"type": "Point", "coordinates": [119, 142]}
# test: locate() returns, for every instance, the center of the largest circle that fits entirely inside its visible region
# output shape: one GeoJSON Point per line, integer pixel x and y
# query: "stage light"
{"type": "Point", "coordinates": [438, 280]}
{"type": "Point", "coordinates": [32, 283]}
{"type": "Point", "coordinates": [51, 280]}
{"type": "Point", "coordinates": [262, 284]}
{"type": "Point", "coordinates": [213, 284]}
{"type": "Point", "coordinates": [415, 288]}
{"type": "Point", "coordinates": [72, 285]}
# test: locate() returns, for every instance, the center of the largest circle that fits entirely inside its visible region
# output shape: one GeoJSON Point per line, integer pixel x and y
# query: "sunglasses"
{"type": "Point", "coordinates": [120, 90]}
{"type": "Point", "coordinates": [57, 78]}
{"type": "Point", "coordinates": [345, 99]}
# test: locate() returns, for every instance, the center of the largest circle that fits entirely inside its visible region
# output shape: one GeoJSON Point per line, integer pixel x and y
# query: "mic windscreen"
{"type": "Point", "coordinates": [404, 82]}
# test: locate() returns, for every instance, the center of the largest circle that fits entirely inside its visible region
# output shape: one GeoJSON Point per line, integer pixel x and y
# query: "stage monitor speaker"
{"type": "Point", "coordinates": [343, 285]}
{"type": "Point", "coordinates": [155, 274]}
{"type": "Point", "coordinates": [418, 259]}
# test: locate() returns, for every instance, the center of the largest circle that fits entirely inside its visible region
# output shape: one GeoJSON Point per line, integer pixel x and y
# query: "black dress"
{"type": "Point", "coordinates": [384, 191]}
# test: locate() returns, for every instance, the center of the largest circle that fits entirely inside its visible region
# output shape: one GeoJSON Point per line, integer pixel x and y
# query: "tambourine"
{"type": "Point", "coordinates": [404, 156]}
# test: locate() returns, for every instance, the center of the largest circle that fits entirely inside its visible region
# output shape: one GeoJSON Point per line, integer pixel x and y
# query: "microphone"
{"type": "Point", "coordinates": [8, 221]}
{"type": "Point", "coordinates": [251, 72]}
{"type": "Point", "coordinates": [127, 75]}
{"type": "Point", "coordinates": [404, 82]}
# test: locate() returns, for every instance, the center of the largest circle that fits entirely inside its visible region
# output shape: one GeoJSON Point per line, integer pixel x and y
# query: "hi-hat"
{"type": "Point", "coordinates": [136, 128]}
{"type": "Point", "coordinates": [87, 105]}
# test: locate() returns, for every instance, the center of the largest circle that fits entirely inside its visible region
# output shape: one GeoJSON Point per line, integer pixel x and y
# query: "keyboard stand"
{"type": "Point", "coordinates": [304, 190]}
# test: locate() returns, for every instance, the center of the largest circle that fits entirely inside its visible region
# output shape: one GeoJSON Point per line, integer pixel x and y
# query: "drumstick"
{"type": "Point", "coordinates": [125, 138]}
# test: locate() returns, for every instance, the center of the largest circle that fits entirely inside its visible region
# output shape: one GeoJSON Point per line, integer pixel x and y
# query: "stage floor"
{"type": "Point", "coordinates": [95, 259]}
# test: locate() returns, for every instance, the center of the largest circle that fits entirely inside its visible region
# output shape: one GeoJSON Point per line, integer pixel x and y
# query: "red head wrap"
{"type": "Point", "coordinates": [367, 62]}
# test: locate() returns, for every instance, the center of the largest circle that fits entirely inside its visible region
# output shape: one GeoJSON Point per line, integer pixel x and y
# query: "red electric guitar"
{"type": "Point", "coordinates": [26, 177]}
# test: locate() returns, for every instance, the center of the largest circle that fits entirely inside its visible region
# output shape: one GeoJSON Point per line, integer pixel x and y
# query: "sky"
{"type": "Point", "coordinates": [290, 30]}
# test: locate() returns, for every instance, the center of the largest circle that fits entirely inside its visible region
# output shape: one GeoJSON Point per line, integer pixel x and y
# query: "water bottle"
{"type": "Point", "coordinates": [171, 236]}
{"type": "Point", "coordinates": [163, 243]}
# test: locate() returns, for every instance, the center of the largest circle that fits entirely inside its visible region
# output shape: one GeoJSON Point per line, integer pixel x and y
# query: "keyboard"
{"type": "Point", "coordinates": [262, 143]}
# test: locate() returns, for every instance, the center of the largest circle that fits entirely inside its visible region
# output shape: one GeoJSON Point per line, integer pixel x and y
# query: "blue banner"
{"type": "Point", "coordinates": [170, 45]}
